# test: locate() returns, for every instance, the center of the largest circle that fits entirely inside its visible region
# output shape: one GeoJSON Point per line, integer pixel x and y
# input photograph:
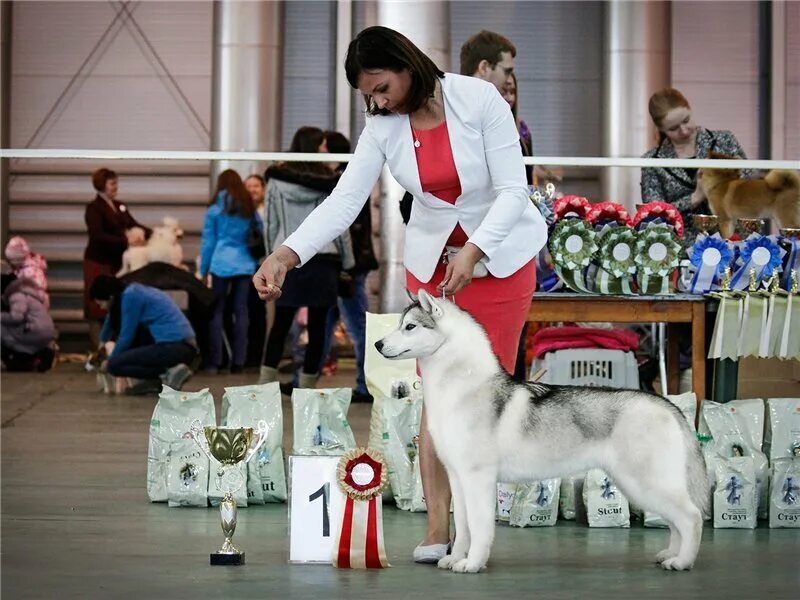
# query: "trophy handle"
{"type": "Point", "coordinates": [261, 428]}
{"type": "Point", "coordinates": [199, 436]}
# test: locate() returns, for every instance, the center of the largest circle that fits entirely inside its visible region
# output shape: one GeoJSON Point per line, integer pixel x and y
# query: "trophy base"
{"type": "Point", "coordinates": [227, 559]}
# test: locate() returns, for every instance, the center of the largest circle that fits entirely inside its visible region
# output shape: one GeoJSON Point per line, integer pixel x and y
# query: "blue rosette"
{"type": "Point", "coordinates": [572, 246]}
{"type": "Point", "coordinates": [709, 256]}
{"type": "Point", "coordinates": [761, 254]}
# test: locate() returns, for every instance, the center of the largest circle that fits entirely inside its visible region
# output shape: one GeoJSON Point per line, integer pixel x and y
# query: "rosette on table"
{"type": "Point", "coordinates": [760, 253]}
{"type": "Point", "coordinates": [577, 206]}
{"type": "Point", "coordinates": [616, 261]}
{"type": "Point", "coordinates": [572, 246]}
{"type": "Point", "coordinates": [791, 245]}
{"type": "Point", "coordinates": [657, 256]}
{"type": "Point", "coordinates": [362, 473]}
{"type": "Point", "coordinates": [659, 213]}
{"type": "Point", "coordinates": [604, 214]}
{"type": "Point", "coordinates": [709, 255]}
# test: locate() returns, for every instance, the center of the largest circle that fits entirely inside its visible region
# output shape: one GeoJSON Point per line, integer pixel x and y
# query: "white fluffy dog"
{"type": "Point", "coordinates": [486, 428]}
{"type": "Point", "coordinates": [163, 246]}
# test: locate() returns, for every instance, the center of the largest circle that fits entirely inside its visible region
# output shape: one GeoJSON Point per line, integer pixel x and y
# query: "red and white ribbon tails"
{"type": "Point", "coordinates": [362, 474]}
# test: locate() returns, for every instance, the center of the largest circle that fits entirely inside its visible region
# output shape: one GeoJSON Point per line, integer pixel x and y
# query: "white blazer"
{"type": "Point", "coordinates": [493, 208]}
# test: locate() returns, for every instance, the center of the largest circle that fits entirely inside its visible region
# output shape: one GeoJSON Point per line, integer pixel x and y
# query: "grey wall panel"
{"type": "Point", "coordinates": [715, 65]}
{"type": "Point", "coordinates": [308, 68]}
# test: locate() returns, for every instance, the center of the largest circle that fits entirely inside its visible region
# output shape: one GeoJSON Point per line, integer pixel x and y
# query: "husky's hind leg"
{"type": "Point", "coordinates": [674, 545]}
{"type": "Point", "coordinates": [461, 543]}
{"type": "Point", "coordinates": [480, 500]}
{"type": "Point", "coordinates": [688, 520]}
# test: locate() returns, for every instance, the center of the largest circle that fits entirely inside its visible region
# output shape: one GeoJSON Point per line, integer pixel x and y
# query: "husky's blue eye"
{"type": "Point", "coordinates": [410, 326]}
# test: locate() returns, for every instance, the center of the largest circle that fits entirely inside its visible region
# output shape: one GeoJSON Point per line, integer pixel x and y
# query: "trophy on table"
{"type": "Point", "coordinates": [229, 446]}
{"type": "Point", "coordinates": [705, 223]}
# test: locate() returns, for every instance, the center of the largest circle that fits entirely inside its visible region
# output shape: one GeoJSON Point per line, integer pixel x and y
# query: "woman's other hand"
{"type": "Point", "coordinates": [270, 275]}
{"type": "Point", "coordinates": [458, 274]}
{"type": "Point", "coordinates": [698, 195]}
{"type": "Point", "coordinates": [135, 236]}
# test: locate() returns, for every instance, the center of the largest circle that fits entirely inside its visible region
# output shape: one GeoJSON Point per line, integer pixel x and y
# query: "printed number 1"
{"type": "Point", "coordinates": [323, 491]}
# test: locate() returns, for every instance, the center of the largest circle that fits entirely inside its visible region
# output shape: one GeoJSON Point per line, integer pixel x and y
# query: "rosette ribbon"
{"type": "Point", "coordinates": [660, 212]}
{"type": "Point", "coordinates": [616, 261]}
{"type": "Point", "coordinates": [657, 256]}
{"type": "Point", "coordinates": [709, 255]}
{"type": "Point", "coordinates": [362, 473]}
{"type": "Point", "coordinates": [758, 252]}
{"type": "Point", "coordinates": [571, 205]}
{"type": "Point", "coordinates": [572, 246]}
{"type": "Point", "coordinates": [603, 214]}
{"type": "Point", "coordinates": [792, 248]}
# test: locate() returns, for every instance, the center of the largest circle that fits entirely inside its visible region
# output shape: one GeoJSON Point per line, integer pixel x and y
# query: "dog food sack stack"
{"type": "Point", "coordinates": [784, 501]}
{"type": "Point", "coordinates": [570, 498]}
{"type": "Point", "coordinates": [736, 429]}
{"type": "Point", "coordinates": [505, 500]}
{"type": "Point", "coordinates": [401, 414]}
{"type": "Point", "coordinates": [245, 406]}
{"type": "Point", "coordinates": [605, 504]}
{"type": "Point", "coordinates": [687, 404]}
{"type": "Point", "coordinates": [535, 504]}
{"type": "Point", "coordinates": [172, 419]}
{"type": "Point", "coordinates": [735, 496]}
{"type": "Point", "coordinates": [320, 421]}
{"type": "Point", "coordinates": [782, 438]}
{"type": "Point", "coordinates": [187, 474]}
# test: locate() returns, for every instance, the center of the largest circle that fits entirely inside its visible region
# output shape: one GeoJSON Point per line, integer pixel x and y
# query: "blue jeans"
{"type": "Point", "coordinates": [148, 362]}
{"type": "Point", "coordinates": [235, 290]}
{"type": "Point", "coordinates": [353, 312]}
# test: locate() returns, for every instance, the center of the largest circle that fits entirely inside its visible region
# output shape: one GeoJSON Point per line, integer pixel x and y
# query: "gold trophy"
{"type": "Point", "coordinates": [751, 226]}
{"type": "Point", "coordinates": [228, 446]}
{"type": "Point", "coordinates": [705, 223]}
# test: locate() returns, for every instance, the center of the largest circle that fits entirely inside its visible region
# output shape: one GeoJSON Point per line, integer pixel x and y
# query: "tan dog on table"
{"type": "Point", "coordinates": [776, 196]}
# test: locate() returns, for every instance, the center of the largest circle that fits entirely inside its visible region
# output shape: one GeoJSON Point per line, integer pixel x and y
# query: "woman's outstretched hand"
{"type": "Point", "coordinates": [268, 280]}
{"type": "Point", "coordinates": [460, 269]}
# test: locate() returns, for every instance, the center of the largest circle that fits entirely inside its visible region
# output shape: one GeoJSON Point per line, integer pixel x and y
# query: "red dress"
{"type": "Point", "coordinates": [499, 304]}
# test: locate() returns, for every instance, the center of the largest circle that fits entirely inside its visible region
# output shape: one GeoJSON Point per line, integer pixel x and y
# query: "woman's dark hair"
{"type": "Point", "coordinates": [308, 139]}
{"type": "Point", "coordinates": [238, 201]}
{"type": "Point", "coordinates": [383, 48]}
{"type": "Point", "coordinates": [338, 144]}
{"type": "Point", "coordinates": [100, 177]}
{"type": "Point", "coordinates": [108, 287]}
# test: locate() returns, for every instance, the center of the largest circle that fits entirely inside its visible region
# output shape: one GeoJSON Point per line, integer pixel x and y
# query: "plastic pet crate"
{"type": "Point", "coordinates": [590, 367]}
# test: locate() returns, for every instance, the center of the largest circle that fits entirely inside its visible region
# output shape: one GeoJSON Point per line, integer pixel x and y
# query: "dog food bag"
{"type": "Point", "coordinates": [320, 421]}
{"type": "Point", "coordinates": [782, 437]}
{"type": "Point", "coordinates": [401, 414]}
{"type": "Point", "coordinates": [245, 406]}
{"type": "Point", "coordinates": [216, 489]}
{"type": "Point", "coordinates": [187, 474]}
{"type": "Point", "coordinates": [736, 429]}
{"type": "Point", "coordinates": [570, 498]}
{"type": "Point", "coordinates": [535, 504]}
{"type": "Point", "coordinates": [172, 419]}
{"type": "Point", "coordinates": [687, 404]}
{"type": "Point", "coordinates": [505, 500]}
{"type": "Point", "coordinates": [735, 495]}
{"type": "Point", "coordinates": [605, 504]}
{"type": "Point", "coordinates": [784, 501]}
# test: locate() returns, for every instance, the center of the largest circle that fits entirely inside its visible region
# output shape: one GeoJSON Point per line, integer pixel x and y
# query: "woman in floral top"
{"type": "Point", "coordinates": [680, 137]}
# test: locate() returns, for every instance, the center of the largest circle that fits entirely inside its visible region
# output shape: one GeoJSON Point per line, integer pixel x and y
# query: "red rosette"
{"type": "Point", "coordinates": [665, 210]}
{"type": "Point", "coordinates": [571, 204]}
{"type": "Point", "coordinates": [608, 211]}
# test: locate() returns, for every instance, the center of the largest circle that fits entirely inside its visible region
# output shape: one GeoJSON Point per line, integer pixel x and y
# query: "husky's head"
{"type": "Point", "coordinates": [419, 333]}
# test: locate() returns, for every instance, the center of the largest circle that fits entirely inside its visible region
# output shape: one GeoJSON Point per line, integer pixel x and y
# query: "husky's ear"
{"type": "Point", "coordinates": [411, 296]}
{"type": "Point", "coordinates": [430, 305]}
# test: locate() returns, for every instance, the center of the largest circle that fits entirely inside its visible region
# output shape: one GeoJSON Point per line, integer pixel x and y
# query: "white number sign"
{"type": "Point", "coordinates": [315, 501]}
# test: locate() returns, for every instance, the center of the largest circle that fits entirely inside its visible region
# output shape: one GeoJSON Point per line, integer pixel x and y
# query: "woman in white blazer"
{"type": "Point", "coordinates": [452, 142]}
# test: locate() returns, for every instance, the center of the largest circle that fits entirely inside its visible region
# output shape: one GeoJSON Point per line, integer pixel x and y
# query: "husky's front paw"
{"type": "Point", "coordinates": [676, 564]}
{"type": "Point", "coordinates": [448, 561]}
{"type": "Point", "coordinates": [466, 566]}
{"type": "Point", "coordinates": [664, 555]}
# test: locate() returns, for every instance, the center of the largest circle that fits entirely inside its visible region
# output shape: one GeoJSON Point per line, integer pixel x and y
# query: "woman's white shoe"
{"type": "Point", "coordinates": [430, 554]}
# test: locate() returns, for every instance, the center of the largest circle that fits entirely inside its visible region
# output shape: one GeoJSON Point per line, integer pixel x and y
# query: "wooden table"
{"type": "Point", "coordinates": [679, 308]}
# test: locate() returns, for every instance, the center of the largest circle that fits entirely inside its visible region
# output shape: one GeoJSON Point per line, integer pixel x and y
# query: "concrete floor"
{"type": "Point", "coordinates": [76, 523]}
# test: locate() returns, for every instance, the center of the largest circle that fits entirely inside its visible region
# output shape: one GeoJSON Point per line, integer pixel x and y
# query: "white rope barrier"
{"type": "Point", "coordinates": [550, 161]}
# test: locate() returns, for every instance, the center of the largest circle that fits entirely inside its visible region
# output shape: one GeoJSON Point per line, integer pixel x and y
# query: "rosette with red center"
{"type": "Point", "coordinates": [659, 212]}
{"type": "Point", "coordinates": [362, 473]}
{"type": "Point", "coordinates": [576, 206]}
{"type": "Point", "coordinates": [602, 213]}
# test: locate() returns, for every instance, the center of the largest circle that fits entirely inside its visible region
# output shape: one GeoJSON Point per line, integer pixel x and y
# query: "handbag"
{"type": "Point", "coordinates": [255, 240]}
{"type": "Point", "coordinates": [478, 271]}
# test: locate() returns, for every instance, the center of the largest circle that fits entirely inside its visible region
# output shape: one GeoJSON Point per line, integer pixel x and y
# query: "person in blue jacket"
{"type": "Point", "coordinates": [154, 340]}
{"type": "Point", "coordinates": [225, 255]}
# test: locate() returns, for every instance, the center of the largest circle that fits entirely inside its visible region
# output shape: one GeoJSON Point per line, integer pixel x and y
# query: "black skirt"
{"type": "Point", "coordinates": [316, 283]}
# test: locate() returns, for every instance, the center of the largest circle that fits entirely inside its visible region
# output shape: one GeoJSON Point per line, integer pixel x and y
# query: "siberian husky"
{"type": "Point", "coordinates": [487, 428]}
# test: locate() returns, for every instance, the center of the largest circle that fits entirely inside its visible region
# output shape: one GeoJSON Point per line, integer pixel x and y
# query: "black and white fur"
{"type": "Point", "coordinates": [487, 428]}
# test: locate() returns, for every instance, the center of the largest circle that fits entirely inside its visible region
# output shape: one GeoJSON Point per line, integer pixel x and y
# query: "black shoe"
{"type": "Point", "coordinates": [287, 388]}
{"type": "Point", "coordinates": [361, 397]}
{"type": "Point", "coordinates": [236, 369]}
{"type": "Point", "coordinates": [44, 359]}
